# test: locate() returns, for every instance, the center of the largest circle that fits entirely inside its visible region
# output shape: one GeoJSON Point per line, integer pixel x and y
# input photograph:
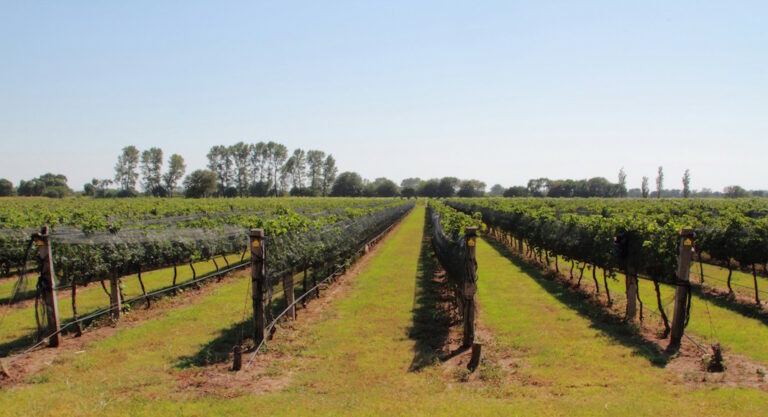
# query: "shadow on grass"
{"type": "Point", "coordinates": [749, 310]}
{"type": "Point", "coordinates": [615, 328]}
{"type": "Point", "coordinates": [431, 324]}
{"type": "Point", "coordinates": [219, 349]}
{"type": "Point", "coordinates": [16, 345]}
{"type": "Point", "coordinates": [21, 296]}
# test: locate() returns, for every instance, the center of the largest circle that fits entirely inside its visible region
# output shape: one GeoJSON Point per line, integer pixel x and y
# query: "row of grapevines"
{"type": "Point", "coordinates": [588, 230]}
{"type": "Point", "coordinates": [452, 221]}
{"type": "Point", "coordinates": [89, 215]}
{"type": "Point", "coordinates": [450, 247]}
{"type": "Point", "coordinates": [88, 256]}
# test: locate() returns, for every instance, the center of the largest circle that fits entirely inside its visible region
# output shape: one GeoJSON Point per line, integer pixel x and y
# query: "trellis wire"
{"type": "Point", "coordinates": [106, 310]}
{"type": "Point", "coordinates": [306, 293]}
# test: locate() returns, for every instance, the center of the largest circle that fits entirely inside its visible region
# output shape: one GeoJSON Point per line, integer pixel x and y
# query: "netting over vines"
{"type": "Point", "coordinates": [451, 248]}
{"type": "Point", "coordinates": [327, 244]}
{"type": "Point", "coordinates": [87, 243]}
{"type": "Point", "coordinates": [293, 242]}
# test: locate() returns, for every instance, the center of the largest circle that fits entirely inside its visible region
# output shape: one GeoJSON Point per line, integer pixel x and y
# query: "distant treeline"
{"type": "Point", "coordinates": [601, 187]}
{"type": "Point", "coordinates": [267, 169]}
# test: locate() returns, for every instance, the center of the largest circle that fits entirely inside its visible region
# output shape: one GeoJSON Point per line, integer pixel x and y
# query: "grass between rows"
{"type": "Point", "coordinates": [19, 326]}
{"type": "Point", "coordinates": [358, 357]}
{"type": "Point", "coordinates": [136, 371]}
{"type": "Point", "coordinates": [712, 319]}
{"type": "Point", "coordinates": [575, 363]}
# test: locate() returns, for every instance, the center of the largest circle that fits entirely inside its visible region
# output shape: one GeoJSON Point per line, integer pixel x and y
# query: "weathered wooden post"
{"type": "Point", "coordinates": [237, 358]}
{"type": "Point", "coordinates": [115, 305]}
{"type": "Point", "coordinates": [288, 293]}
{"type": "Point", "coordinates": [682, 292]}
{"type": "Point", "coordinates": [48, 286]}
{"type": "Point", "coordinates": [258, 284]}
{"type": "Point", "coordinates": [474, 360]}
{"type": "Point", "coordinates": [470, 287]}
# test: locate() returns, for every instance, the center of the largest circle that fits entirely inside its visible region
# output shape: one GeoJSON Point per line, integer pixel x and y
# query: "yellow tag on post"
{"type": "Point", "coordinates": [687, 242]}
{"type": "Point", "coordinates": [471, 242]}
{"type": "Point", "coordinates": [255, 244]}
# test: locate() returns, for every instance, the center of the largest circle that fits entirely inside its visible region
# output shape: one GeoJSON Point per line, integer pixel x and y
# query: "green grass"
{"type": "Point", "coordinates": [369, 354]}
{"type": "Point", "coordinates": [741, 282]}
{"type": "Point", "coordinates": [576, 361]}
{"type": "Point", "coordinates": [735, 329]}
{"type": "Point", "coordinates": [19, 325]}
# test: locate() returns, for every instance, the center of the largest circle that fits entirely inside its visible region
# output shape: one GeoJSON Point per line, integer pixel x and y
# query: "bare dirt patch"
{"type": "Point", "coordinates": [689, 365]}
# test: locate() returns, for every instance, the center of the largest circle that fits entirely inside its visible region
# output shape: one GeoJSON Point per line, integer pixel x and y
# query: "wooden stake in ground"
{"type": "Point", "coordinates": [237, 357]}
{"type": "Point", "coordinates": [474, 361]}
{"type": "Point", "coordinates": [258, 284]}
{"type": "Point", "coordinates": [48, 287]}
{"type": "Point", "coordinates": [682, 292]}
{"type": "Point", "coordinates": [470, 287]}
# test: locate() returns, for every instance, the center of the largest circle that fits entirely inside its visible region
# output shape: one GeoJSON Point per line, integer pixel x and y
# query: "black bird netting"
{"type": "Point", "coordinates": [93, 256]}
{"type": "Point", "coordinates": [330, 244]}
{"type": "Point", "coordinates": [453, 255]}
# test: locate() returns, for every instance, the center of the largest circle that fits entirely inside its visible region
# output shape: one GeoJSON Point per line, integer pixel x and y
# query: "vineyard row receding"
{"type": "Point", "coordinates": [316, 234]}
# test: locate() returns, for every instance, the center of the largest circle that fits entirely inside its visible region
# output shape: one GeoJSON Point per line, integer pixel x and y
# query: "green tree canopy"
{"type": "Point", "coordinates": [348, 184]}
{"type": "Point", "coordinates": [200, 183]}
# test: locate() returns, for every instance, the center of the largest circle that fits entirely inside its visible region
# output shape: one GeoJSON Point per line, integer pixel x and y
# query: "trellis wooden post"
{"type": "Point", "coordinates": [258, 284]}
{"type": "Point", "coordinates": [114, 296]}
{"type": "Point", "coordinates": [289, 295]}
{"type": "Point", "coordinates": [237, 358]}
{"type": "Point", "coordinates": [683, 287]}
{"type": "Point", "coordinates": [470, 287]}
{"type": "Point", "coordinates": [47, 275]}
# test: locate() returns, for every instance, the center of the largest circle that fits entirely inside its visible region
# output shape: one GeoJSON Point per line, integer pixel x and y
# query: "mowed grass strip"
{"type": "Point", "coordinates": [712, 319]}
{"type": "Point", "coordinates": [350, 353]}
{"type": "Point", "coordinates": [355, 360]}
{"type": "Point", "coordinates": [580, 364]}
{"type": "Point", "coordinates": [19, 323]}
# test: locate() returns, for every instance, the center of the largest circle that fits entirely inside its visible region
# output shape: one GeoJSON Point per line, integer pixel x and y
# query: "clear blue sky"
{"type": "Point", "coordinates": [499, 91]}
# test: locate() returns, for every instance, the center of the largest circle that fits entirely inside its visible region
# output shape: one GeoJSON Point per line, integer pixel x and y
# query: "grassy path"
{"type": "Point", "coordinates": [19, 325]}
{"type": "Point", "coordinates": [578, 365]}
{"type": "Point", "coordinates": [358, 358]}
{"type": "Point", "coordinates": [731, 327]}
